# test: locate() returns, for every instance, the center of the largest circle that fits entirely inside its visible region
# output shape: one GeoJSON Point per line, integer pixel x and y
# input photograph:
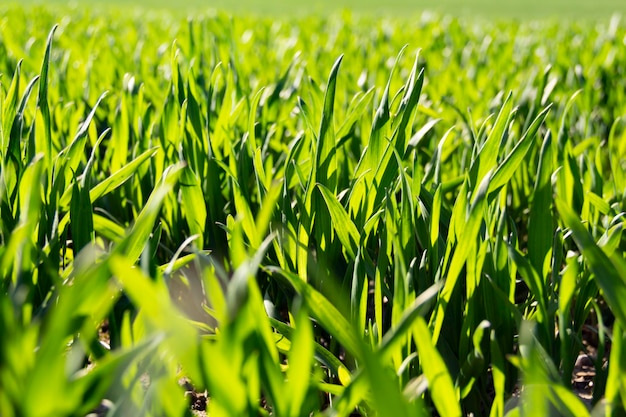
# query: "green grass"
{"type": "Point", "coordinates": [516, 9]}
{"type": "Point", "coordinates": [306, 216]}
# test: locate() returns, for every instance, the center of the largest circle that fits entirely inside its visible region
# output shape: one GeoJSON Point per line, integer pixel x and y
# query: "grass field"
{"type": "Point", "coordinates": [506, 9]}
{"type": "Point", "coordinates": [296, 214]}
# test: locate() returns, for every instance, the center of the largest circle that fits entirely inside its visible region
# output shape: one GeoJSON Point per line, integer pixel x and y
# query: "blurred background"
{"type": "Point", "coordinates": [503, 9]}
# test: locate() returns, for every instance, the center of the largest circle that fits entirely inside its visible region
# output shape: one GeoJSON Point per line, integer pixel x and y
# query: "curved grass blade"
{"type": "Point", "coordinates": [488, 153]}
{"type": "Point", "coordinates": [343, 225]}
{"type": "Point", "coordinates": [17, 127]}
{"type": "Point", "coordinates": [134, 242]}
{"type": "Point", "coordinates": [609, 280]}
{"type": "Point", "coordinates": [121, 176]}
{"type": "Point", "coordinates": [440, 383]}
{"type": "Point", "coordinates": [42, 102]}
{"type": "Point", "coordinates": [321, 353]}
{"type": "Point", "coordinates": [325, 160]}
{"type": "Point", "coordinates": [9, 109]}
{"type": "Point", "coordinates": [300, 360]}
{"type": "Point", "coordinates": [324, 311]}
{"type": "Point", "coordinates": [469, 234]}
{"type": "Point", "coordinates": [193, 202]}
{"type": "Point", "coordinates": [506, 170]}
{"type": "Point", "coordinates": [540, 223]}
{"type": "Point", "coordinates": [76, 148]}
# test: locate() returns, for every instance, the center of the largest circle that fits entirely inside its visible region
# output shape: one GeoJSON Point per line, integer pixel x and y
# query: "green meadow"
{"type": "Point", "coordinates": [322, 210]}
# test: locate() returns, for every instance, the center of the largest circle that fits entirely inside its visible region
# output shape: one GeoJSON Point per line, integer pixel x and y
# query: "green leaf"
{"type": "Point", "coordinates": [408, 106]}
{"type": "Point", "coordinates": [193, 202]}
{"type": "Point", "coordinates": [321, 353]}
{"type": "Point", "coordinates": [76, 149]}
{"type": "Point", "coordinates": [462, 251]}
{"type": "Point", "coordinates": [540, 223]}
{"type": "Point", "coordinates": [13, 146]}
{"type": "Point", "coordinates": [81, 217]}
{"type": "Point", "coordinates": [499, 377]}
{"type": "Point", "coordinates": [511, 163]}
{"type": "Point", "coordinates": [9, 110]}
{"type": "Point", "coordinates": [135, 240]}
{"type": "Point", "coordinates": [121, 176]}
{"type": "Point", "coordinates": [42, 100]}
{"type": "Point", "coordinates": [324, 312]}
{"type": "Point", "coordinates": [609, 280]}
{"type": "Point", "coordinates": [488, 153]}
{"type": "Point", "coordinates": [300, 360]}
{"type": "Point", "coordinates": [616, 381]}
{"type": "Point", "coordinates": [343, 225]}
{"type": "Point", "coordinates": [325, 159]}
{"type": "Point", "coordinates": [419, 308]}
{"type": "Point", "coordinates": [440, 382]}
{"type": "Point", "coordinates": [357, 108]}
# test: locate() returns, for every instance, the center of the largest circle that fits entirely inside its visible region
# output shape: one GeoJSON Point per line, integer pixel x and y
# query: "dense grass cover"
{"type": "Point", "coordinates": [308, 217]}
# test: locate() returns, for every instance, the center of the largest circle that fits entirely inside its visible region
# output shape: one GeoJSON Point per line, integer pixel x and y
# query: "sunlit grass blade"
{"type": "Point", "coordinates": [134, 242]}
{"type": "Point", "coordinates": [326, 314]}
{"type": "Point", "coordinates": [606, 275]}
{"type": "Point", "coordinates": [538, 289]}
{"type": "Point", "coordinates": [499, 377]}
{"type": "Point", "coordinates": [386, 396]}
{"type": "Point", "coordinates": [408, 105]}
{"type": "Point", "coordinates": [540, 224]}
{"type": "Point", "coordinates": [42, 101]}
{"type": "Point", "coordinates": [419, 308]}
{"type": "Point", "coordinates": [343, 225]}
{"type": "Point", "coordinates": [440, 382]}
{"type": "Point", "coordinates": [15, 135]}
{"type": "Point", "coordinates": [152, 298]}
{"type": "Point", "coordinates": [17, 256]}
{"type": "Point", "coordinates": [9, 109]}
{"type": "Point", "coordinates": [616, 385]}
{"type": "Point", "coordinates": [75, 151]}
{"type": "Point", "coordinates": [487, 155]}
{"type": "Point", "coordinates": [193, 202]}
{"type": "Point", "coordinates": [419, 136]}
{"type": "Point", "coordinates": [121, 176]}
{"type": "Point", "coordinates": [81, 217]}
{"type": "Point", "coordinates": [321, 353]}
{"type": "Point", "coordinates": [357, 109]}
{"type": "Point", "coordinates": [470, 232]}
{"type": "Point", "coordinates": [300, 360]}
{"type": "Point", "coordinates": [326, 163]}
{"type": "Point", "coordinates": [507, 169]}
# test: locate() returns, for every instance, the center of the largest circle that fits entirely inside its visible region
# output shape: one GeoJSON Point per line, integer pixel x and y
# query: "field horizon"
{"type": "Point", "coordinates": [518, 10]}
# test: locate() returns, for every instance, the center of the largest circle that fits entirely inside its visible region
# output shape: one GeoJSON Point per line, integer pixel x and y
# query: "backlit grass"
{"type": "Point", "coordinates": [309, 215]}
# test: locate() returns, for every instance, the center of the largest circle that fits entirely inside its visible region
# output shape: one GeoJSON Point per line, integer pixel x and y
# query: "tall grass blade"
{"type": "Point", "coordinates": [133, 243]}
{"type": "Point", "coordinates": [507, 169]}
{"type": "Point", "coordinates": [325, 159]}
{"type": "Point", "coordinates": [342, 224]}
{"type": "Point", "coordinates": [42, 100]}
{"type": "Point", "coordinates": [440, 382]}
{"type": "Point", "coordinates": [606, 274]}
{"type": "Point", "coordinates": [540, 223]}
